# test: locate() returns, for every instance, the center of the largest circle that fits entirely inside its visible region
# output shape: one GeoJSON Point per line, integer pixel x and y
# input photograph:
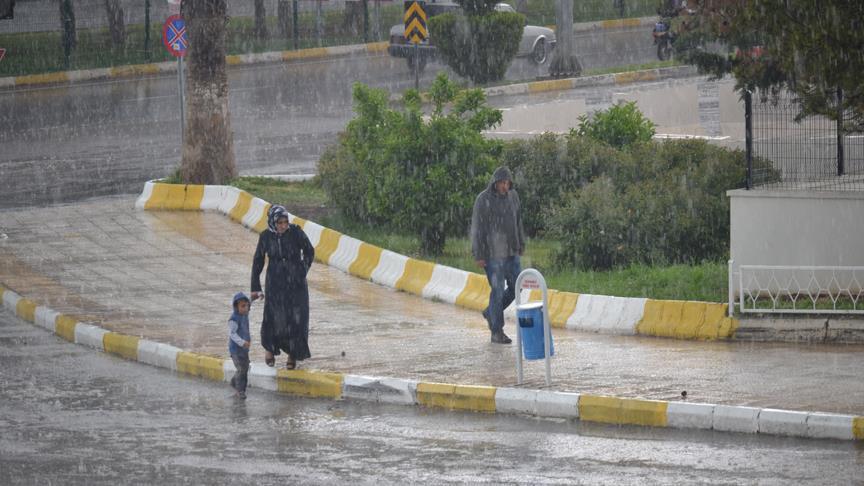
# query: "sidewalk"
{"type": "Point", "coordinates": [168, 276]}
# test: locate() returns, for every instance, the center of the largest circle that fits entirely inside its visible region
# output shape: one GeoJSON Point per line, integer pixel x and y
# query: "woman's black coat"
{"type": "Point", "coordinates": [286, 305]}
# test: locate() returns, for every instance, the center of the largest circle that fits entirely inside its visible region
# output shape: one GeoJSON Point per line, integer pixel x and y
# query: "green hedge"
{"type": "Point", "coordinates": [414, 171]}
{"type": "Point", "coordinates": [477, 47]}
{"type": "Point", "coordinates": [651, 202]}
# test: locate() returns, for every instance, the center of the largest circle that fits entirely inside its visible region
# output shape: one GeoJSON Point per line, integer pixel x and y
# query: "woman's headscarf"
{"type": "Point", "coordinates": [274, 214]}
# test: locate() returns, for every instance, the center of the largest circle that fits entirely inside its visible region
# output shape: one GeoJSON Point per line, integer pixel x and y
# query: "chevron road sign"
{"type": "Point", "coordinates": [415, 21]}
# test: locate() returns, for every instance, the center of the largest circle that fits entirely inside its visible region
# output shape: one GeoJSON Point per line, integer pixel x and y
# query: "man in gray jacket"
{"type": "Point", "coordinates": [497, 242]}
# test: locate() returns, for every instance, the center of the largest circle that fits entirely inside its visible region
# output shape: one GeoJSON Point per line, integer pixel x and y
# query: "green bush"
{"type": "Point", "coordinates": [622, 124]}
{"type": "Point", "coordinates": [664, 203]}
{"type": "Point", "coordinates": [417, 172]}
{"type": "Point", "coordinates": [548, 169]}
{"type": "Point", "coordinates": [477, 47]}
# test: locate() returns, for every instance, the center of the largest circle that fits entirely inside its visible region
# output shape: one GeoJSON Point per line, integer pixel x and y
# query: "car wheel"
{"type": "Point", "coordinates": [539, 54]}
{"type": "Point", "coordinates": [420, 66]}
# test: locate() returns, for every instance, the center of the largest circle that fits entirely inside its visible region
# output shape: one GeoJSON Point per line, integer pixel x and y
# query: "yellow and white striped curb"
{"type": "Point", "coordinates": [582, 312]}
{"type": "Point", "coordinates": [629, 77]}
{"type": "Point", "coordinates": [540, 403]}
{"type": "Point", "coordinates": [138, 70]}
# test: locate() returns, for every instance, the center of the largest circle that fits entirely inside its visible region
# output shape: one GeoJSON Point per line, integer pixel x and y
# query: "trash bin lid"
{"type": "Point", "coordinates": [530, 305]}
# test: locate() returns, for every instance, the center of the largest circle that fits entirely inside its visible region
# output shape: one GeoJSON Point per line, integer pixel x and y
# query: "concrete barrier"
{"type": "Point", "coordinates": [690, 415]}
{"type": "Point", "coordinates": [736, 419]}
{"type": "Point", "coordinates": [516, 400]}
{"type": "Point", "coordinates": [46, 318]}
{"type": "Point", "coordinates": [262, 376]}
{"type": "Point", "coordinates": [90, 335]}
{"type": "Point", "coordinates": [782, 422]}
{"type": "Point", "coordinates": [309, 383]}
{"type": "Point", "coordinates": [200, 365]}
{"type": "Point", "coordinates": [830, 426]}
{"type": "Point", "coordinates": [158, 354]}
{"type": "Point", "coordinates": [557, 404]}
{"type": "Point", "coordinates": [382, 390]}
{"type": "Point", "coordinates": [456, 397]}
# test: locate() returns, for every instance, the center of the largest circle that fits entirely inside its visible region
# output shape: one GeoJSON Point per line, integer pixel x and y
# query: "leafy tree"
{"type": "Point", "coordinates": [811, 47]}
{"type": "Point", "coordinates": [418, 172]}
{"type": "Point", "coordinates": [622, 124]}
{"type": "Point", "coordinates": [479, 45]}
{"type": "Point", "coordinates": [208, 145]}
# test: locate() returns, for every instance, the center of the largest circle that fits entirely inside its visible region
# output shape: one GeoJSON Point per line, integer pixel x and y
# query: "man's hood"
{"type": "Point", "coordinates": [501, 174]}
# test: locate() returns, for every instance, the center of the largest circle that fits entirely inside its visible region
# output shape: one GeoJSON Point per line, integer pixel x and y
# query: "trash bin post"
{"type": "Point", "coordinates": [535, 279]}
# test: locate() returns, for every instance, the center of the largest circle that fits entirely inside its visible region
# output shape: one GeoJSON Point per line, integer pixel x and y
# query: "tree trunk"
{"type": "Point", "coordinates": [283, 12]}
{"type": "Point", "coordinates": [116, 22]}
{"type": "Point", "coordinates": [260, 20]}
{"type": "Point", "coordinates": [67, 24]}
{"type": "Point", "coordinates": [208, 148]}
{"type": "Point", "coordinates": [564, 60]}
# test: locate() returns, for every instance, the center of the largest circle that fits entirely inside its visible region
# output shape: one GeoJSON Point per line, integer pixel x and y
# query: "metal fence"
{"type": "Point", "coordinates": [800, 289]}
{"type": "Point", "coordinates": [55, 35]}
{"type": "Point", "coordinates": [815, 153]}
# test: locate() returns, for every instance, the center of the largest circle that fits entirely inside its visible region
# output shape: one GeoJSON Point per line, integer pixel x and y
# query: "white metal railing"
{"type": "Point", "coordinates": [779, 288]}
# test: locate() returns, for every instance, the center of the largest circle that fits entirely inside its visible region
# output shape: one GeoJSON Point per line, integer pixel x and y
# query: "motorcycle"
{"type": "Point", "coordinates": [663, 39]}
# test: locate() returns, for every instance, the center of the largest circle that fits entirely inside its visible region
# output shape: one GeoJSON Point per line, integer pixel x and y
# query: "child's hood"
{"type": "Point", "coordinates": [238, 297]}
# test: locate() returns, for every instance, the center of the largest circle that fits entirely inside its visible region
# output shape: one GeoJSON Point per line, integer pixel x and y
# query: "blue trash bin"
{"type": "Point", "coordinates": [530, 317]}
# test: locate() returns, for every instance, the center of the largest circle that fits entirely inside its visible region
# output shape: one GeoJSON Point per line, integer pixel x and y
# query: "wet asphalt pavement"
{"type": "Point", "coordinates": [169, 277]}
{"type": "Point", "coordinates": [71, 415]}
{"type": "Point", "coordinates": [66, 143]}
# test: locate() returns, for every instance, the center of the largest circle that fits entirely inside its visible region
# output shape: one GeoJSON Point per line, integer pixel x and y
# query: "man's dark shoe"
{"type": "Point", "coordinates": [500, 338]}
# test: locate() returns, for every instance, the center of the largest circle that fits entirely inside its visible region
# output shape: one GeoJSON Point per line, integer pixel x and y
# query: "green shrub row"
{"type": "Point", "coordinates": [632, 201]}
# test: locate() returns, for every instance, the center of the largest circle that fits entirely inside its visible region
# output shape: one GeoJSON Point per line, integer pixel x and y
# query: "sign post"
{"type": "Point", "coordinates": [415, 32]}
{"type": "Point", "coordinates": [176, 40]}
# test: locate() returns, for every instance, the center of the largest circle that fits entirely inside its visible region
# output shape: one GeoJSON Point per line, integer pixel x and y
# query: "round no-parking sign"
{"type": "Point", "coordinates": [174, 35]}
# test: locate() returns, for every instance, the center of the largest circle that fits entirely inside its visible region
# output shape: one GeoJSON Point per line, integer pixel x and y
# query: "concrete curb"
{"type": "Point", "coordinates": [539, 403]}
{"type": "Point", "coordinates": [582, 312]}
{"type": "Point", "coordinates": [629, 77]}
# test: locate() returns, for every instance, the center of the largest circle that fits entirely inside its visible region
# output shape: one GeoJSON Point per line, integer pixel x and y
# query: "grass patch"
{"type": "Point", "coordinates": [703, 282]}
{"type": "Point", "coordinates": [288, 194]}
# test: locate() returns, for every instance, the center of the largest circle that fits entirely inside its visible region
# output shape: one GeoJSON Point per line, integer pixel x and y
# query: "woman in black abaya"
{"type": "Point", "coordinates": [289, 255]}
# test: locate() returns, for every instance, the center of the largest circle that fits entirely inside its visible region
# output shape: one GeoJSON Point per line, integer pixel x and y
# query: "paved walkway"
{"type": "Point", "coordinates": [169, 277]}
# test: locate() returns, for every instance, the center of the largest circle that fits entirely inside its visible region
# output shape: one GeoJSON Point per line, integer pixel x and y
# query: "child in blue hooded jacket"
{"type": "Point", "coordinates": [239, 341]}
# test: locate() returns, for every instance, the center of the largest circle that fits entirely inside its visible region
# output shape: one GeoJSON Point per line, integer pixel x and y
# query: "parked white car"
{"type": "Point", "coordinates": [537, 42]}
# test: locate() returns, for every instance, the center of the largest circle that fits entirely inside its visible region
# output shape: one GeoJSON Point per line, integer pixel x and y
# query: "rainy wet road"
{"type": "Point", "coordinates": [65, 143]}
{"type": "Point", "coordinates": [71, 415]}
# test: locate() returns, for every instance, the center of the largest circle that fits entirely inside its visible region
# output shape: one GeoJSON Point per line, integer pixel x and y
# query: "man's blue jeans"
{"type": "Point", "coordinates": [502, 274]}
